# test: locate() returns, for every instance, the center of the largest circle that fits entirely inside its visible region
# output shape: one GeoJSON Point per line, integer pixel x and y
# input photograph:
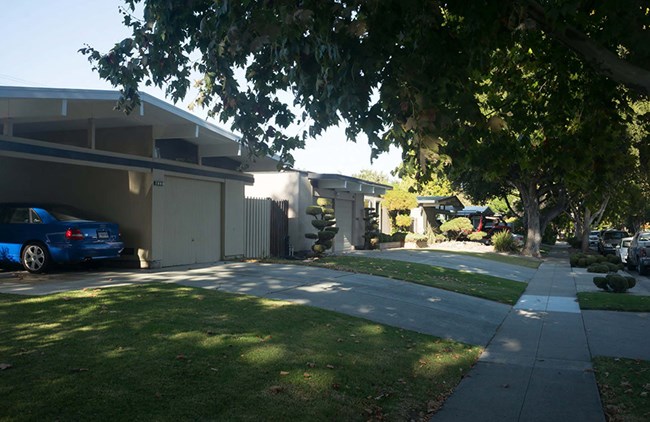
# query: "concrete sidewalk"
{"type": "Point", "coordinates": [538, 365]}
{"type": "Point", "coordinates": [449, 259]}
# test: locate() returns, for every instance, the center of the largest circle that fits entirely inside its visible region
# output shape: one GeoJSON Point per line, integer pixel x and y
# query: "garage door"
{"type": "Point", "coordinates": [343, 212]}
{"type": "Point", "coordinates": [192, 227]}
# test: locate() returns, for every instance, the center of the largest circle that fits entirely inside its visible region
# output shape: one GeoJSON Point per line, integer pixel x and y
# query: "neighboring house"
{"type": "Point", "coordinates": [482, 217]}
{"type": "Point", "coordinates": [168, 178]}
{"type": "Point", "coordinates": [433, 211]}
{"type": "Point", "coordinates": [301, 188]}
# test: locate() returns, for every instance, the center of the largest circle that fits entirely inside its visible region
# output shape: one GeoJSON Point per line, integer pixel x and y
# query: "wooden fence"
{"type": "Point", "coordinates": [266, 227]}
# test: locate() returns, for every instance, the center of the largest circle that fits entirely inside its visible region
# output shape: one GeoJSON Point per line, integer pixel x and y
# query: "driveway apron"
{"type": "Point", "coordinates": [538, 365]}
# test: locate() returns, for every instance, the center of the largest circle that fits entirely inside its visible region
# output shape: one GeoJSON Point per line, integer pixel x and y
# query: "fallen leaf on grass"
{"type": "Point", "coordinates": [311, 364]}
{"type": "Point", "coordinates": [306, 375]}
{"type": "Point", "coordinates": [330, 366]}
{"type": "Point", "coordinates": [336, 386]}
{"type": "Point", "coordinates": [283, 373]}
{"type": "Point", "coordinates": [79, 370]}
{"type": "Point", "coordinates": [181, 356]}
{"type": "Point", "coordinates": [4, 366]}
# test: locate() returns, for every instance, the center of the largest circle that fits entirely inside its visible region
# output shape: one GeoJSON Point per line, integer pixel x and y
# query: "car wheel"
{"type": "Point", "coordinates": [35, 258]}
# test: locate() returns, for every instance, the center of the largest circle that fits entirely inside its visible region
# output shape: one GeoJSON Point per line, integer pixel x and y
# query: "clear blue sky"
{"type": "Point", "coordinates": [40, 43]}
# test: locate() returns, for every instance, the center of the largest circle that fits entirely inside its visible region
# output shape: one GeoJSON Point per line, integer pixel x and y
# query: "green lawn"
{"type": "Point", "coordinates": [165, 352]}
{"type": "Point", "coordinates": [624, 386]}
{"type": "Point", "coordinates": [522, 261]}
{"type": "Point", "coordinates": [483, 286]}
{"type": "Point", "coordinates": [614, 301]}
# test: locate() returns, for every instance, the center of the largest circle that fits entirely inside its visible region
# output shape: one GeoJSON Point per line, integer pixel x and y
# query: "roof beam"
{"type": "Point", "coordinates": [190, 131]}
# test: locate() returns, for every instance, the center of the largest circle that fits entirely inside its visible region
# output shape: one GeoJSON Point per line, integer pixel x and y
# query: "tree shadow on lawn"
{"type": "Point", "coordinates": [166, 352]}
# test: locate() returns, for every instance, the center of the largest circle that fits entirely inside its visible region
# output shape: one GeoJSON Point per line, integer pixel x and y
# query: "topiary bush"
{"type": "Point", "coordinates": [416, 238]}
{"type": "Point", "coordinates": [615, 283]}
{"type": "Point", "coordinates": [504, 242]}
{"type": "Point", "coordinates": [476, 236]}
{"type": "Point", "coordinates": [403, 221]}
{"type": "Point", "coordinates": [324, 222]}
{"type": "Point", "coordinates": [371, 235]}
{"type": "Point", "coordinates": [457, 228]}
{"type": "Point", "coordinates": [598, 268]}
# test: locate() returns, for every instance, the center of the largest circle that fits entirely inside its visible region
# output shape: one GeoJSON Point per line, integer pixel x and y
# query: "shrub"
{"type": "Point", "coordinates": [601, 282]}
{"type": "Point", "coordinates": [504, 242]}
{"type": "Point", "coordinates": [385, 238]}
{"type": "Point", "coordinates": [403, 221]}
{"type": "Point", "coordinates": [399, 236]}
{"type": "Point", "coordinates": [477, 236]}
{"type": "Point", "coordinates": [615, 283]}
{"type": "Point", "coordinates": [415, 238]}
{"type": "Point", "coordinates": [614, 259]}
{"type": "Point", "coordinates": [582, 262]}
{"type": "Point", "coordinates": [598, 268]}
{"type": "Point", "coordinates": [457, 228]}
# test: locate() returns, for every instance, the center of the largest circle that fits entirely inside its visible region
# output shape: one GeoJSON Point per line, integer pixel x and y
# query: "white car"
{"type": "Point", "coordinates": [593, 238]}
{"type": "Point", "coordinates": [622, 248]}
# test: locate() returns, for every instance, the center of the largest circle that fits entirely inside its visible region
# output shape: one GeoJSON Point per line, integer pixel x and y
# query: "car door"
{"type": "Point", "coordinates": [14, 230]}
{"type": "Point", "coordinates": [631, 252]}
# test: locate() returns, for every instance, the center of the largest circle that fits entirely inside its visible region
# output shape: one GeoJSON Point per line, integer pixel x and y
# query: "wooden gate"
{"type": "Point", "coordinates": [267, 227]}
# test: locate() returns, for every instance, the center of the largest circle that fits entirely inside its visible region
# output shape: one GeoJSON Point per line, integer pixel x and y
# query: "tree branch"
{"type": "Point", "coordinates": [602, 59]}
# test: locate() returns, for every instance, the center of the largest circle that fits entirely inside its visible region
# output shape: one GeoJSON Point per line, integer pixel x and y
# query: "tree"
{"type": "Point", "coordinates": [399, 71]}
{"type": "Point", "coordinates": [552, 130]}
{"type": "Point", "coordinates": [373, 176]}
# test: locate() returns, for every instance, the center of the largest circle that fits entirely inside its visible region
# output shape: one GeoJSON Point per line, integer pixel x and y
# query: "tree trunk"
{"type": "Point", "coordinates": [530, 201]}
{"type": "Point", "coordinates": [586, 229]}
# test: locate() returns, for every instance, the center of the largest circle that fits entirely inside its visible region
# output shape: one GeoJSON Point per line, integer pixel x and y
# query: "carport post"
{"type": "Point", "coordinates": [91, 133]}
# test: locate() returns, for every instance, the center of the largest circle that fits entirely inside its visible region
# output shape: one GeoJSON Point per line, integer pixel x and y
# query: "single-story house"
{"type": "Point", "coordinates": [433, 211]}
{"type": "Point", "coordinates": [482, 217]}
{"type": "Point", "coordinates": [349, 196]}
{"type": "Point", "coordinates": [166, 176]}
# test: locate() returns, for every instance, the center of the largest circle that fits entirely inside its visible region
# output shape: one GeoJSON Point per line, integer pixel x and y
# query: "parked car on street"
{"type": "Point", "coordinates": [622, 249]}
{"type": "Point", "coordinates": [638, 255]}
{"type": "Point", "coordinates": [38, 235]}
{"type": "Point", "coordinates": [593, 238]}
{"type": "Point", "coordinates": [609, 239]}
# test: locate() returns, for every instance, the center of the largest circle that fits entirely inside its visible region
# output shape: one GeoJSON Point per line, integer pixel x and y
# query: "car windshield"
{"type": "Point", "coordinates": [66, 213]}
{"type": "Point", "coordinates": [614, 235]}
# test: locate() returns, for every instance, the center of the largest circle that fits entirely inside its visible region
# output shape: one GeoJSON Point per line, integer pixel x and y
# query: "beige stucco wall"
{"type": "Point", "coordinates": [233, 219]}
{"type": "Point", "coordinates": [294, 187]}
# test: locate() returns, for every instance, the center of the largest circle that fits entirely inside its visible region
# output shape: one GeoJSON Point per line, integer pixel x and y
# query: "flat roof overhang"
{"type": "Point", "coordinates": [26, 109]}
{"type": "Point", "coordinates": [341, 183]}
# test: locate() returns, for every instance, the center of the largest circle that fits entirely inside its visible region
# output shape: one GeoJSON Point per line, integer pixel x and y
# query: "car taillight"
{"type": "Point", "coordinates": [74, 234]}
{"type": "Point", "coordinates": [642, 252]}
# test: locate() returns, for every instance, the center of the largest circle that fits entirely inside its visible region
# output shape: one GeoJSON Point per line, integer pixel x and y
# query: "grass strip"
{"type": "Point", "coordinates": [613, 302]}
{"type": "Point", "coordinates": [522, 261]}
{"type": "Point", "coordinates": [624, 386]}
{"type": "Point", "coordinates": [478, 285]}
{"type": "Point", "coordinates": [166, 352]}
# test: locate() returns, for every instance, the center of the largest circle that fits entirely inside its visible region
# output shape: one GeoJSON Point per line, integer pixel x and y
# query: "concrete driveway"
{"type": "Point", "coordinates": [454, 261]}
{"type": "Point", "coordinates": [396, 303]}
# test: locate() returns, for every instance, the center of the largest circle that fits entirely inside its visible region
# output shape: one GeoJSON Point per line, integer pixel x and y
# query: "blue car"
{"type": "Point", "coordinates": [37, 235]}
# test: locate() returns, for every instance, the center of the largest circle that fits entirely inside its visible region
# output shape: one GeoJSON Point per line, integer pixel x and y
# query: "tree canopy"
{"type": "Point", "coordinates": [402, 72]}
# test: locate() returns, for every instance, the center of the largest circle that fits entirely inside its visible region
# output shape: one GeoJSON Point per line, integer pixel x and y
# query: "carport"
{"type": "Point", "coordinates": [169, 178]}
